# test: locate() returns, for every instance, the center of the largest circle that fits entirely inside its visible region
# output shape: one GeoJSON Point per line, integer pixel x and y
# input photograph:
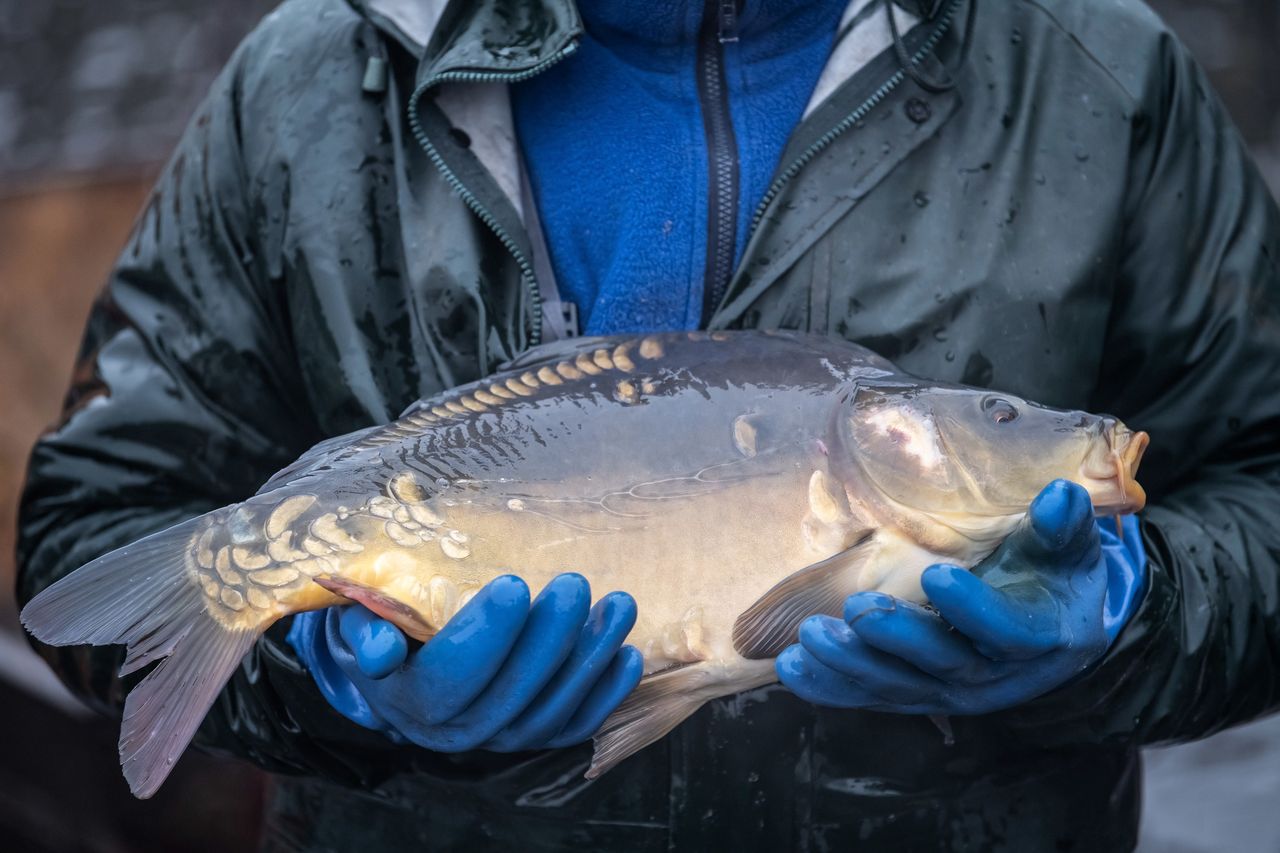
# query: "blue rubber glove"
{"type": "Point", "coordinates": [502, 675]}
{"type": "Point", "coordinates": [1038, 611]}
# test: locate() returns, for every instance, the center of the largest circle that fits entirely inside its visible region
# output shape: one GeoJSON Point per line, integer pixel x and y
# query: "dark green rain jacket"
{"type": "Point", "coordinates": [1076, 221]}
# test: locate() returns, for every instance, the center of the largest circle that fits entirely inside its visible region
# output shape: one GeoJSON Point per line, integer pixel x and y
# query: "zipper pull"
{"type": "Point", "coordinates": [727, 20]}
{"type": "Point", "coordinates": [375, 76]}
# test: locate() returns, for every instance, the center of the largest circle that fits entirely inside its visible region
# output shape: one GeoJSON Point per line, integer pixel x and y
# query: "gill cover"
{"type": "Point", "coordinates": [953, 449]}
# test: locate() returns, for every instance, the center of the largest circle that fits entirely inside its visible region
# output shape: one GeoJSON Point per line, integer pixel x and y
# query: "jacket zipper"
{"type": "Point", "coordinates": [719, 26]}
{"type": "Point", "coordinates": [527, 276]}
{"type": "Point", "coordinates": [944, 23]}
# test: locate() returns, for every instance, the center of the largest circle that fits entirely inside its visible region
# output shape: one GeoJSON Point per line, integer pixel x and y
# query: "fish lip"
{"type": "Point", "coordinates": [1110, 473]}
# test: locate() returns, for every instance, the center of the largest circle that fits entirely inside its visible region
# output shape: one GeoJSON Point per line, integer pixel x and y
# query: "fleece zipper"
{"type": "Point", "coordinates": [719, 26]}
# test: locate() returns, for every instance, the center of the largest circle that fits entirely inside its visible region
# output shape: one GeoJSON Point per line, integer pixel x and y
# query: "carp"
{"type": "Point", "coordinates": [734, 483]}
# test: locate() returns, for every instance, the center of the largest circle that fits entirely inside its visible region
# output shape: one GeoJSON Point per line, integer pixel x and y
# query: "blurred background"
{"type": "Point", "coordinates": [93, 96]}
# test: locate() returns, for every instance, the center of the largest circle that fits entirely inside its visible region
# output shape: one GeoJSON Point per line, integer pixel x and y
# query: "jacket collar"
{"type": "Point", "coordinates": [414, 23]}
{"type": "Point", "coordinates": [490, 35]}
{"type": "Point", "coordinates": [454, 40]}
{"type": "Point", "coordinates": [410, 22]}
{"type": "Point", "coordinates": [467, 48]}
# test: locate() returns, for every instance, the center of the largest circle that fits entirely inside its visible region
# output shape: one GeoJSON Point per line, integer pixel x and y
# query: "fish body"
{"type": "Point", "coordinates": [732, 483]}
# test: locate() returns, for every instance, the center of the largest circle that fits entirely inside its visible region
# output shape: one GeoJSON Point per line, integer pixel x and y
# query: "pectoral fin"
{"type": "Point", "coordinates": [770, 625]}
{"type": "Point", "coordinates": [403, 616]}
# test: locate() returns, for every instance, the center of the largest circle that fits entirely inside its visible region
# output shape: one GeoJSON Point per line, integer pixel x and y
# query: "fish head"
{"type": "Point", "coordinates": [973, 460]}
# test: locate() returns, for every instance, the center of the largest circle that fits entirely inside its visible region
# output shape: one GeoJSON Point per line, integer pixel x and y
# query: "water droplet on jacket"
{"type": "Point", "coordinates": [950, 356]}
{"type": "Point", "coordinates": [921, 199]}
{"type": "Point", "coordinates": [1082, 155]}
{"type": "Point", "coordinates": [1016, 36]}
{"type": "Point", "coordinates": [1039, 179]}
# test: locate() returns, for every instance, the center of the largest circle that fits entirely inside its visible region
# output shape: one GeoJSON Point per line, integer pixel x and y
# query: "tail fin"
{"type": "Point", "coordinates": [146, 596]}
{"type": "Point", "coordinates": [665, 700]}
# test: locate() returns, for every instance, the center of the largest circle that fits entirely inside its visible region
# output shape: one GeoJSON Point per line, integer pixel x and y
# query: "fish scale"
{"type": "Point", "coordinates": [288, 539]}
{"type": "Point", "coordinates": [732, 483]}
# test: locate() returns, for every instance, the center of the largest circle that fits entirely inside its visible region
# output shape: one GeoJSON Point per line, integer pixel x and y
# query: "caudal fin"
{"type": "Point", "coordinates": [146, 597]}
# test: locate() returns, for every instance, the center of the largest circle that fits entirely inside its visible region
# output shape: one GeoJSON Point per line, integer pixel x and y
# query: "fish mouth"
{"type": "Point", "coordinates": [1110, 469]}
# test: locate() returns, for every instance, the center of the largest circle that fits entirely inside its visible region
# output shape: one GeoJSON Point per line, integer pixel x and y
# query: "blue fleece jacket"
{"type": "Point", "coordinates": [614, 143]}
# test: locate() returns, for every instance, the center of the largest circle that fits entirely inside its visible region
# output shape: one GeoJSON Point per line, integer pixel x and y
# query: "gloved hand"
{"type": "Point", "coordinates": [501, 675]}
{"type": "Point", "coordinates": [1038, 611]}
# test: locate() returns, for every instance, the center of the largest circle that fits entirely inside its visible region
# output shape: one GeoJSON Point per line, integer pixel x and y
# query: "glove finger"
{"type": "Point", "coordinates": [1000, 626]}
{"type": "Point", "coordinates": [1052, 548]}
{"type": "Point", "coordinates": [614, 686]}
{"type": "Point", "coordinates": [379, 646]}
{"type": "Point", "coordinates": [833, 643]}
{"type": "Point", "coordinates": [334, 669]}
{"type": "Point", "coordinates": [608, 624]}
{"type": "Point", "coordinates": [553, 626]}
{"type": "Point", "coordinates": [922, 639]}
{"type": "Point", "coordinates": [1061, 518]}
{"type": "Point", "coordinates": [455, 665]}
{"type": "Point", "coordinates": [815, 682]}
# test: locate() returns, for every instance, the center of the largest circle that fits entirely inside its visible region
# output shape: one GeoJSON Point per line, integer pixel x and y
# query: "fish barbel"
{"type": "Point", "coordinates": [733, 483]}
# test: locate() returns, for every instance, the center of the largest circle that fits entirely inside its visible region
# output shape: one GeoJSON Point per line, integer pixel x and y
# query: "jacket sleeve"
{"type": "Point", "coordinates": [186, 397]}
{"type": "Point", "coordinates": [1192, 356]}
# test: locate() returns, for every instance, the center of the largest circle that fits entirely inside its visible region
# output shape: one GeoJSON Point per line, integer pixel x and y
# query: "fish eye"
{"type": "Point", "coordinates": [1000, 410]}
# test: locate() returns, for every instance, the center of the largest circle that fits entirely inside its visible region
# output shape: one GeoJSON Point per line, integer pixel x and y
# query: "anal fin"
{"type": "Point", "coordinates": [767, 627]}
{"type": "Point", "coordinates": [403, 616]}
{"type": "Point", "coordinates": [663, 701]}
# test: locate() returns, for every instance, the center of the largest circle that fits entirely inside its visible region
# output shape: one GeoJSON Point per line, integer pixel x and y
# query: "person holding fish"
{"type": "Point", "coordinates": [799, 596]}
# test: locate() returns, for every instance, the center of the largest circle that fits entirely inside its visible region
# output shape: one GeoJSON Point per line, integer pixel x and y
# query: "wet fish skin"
{"type": "Point", "coordinates": [733, 483]}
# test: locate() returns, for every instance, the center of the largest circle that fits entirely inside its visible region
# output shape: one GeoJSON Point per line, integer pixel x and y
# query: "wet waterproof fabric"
{"type": "Point", "coordinates": [1076, 221]}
